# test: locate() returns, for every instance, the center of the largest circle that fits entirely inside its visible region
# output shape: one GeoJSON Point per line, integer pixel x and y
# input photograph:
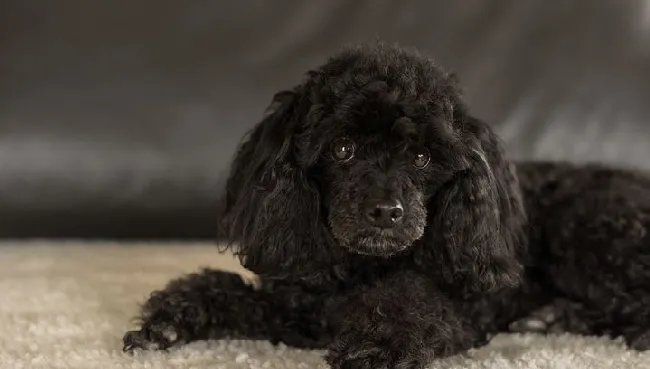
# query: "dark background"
{"type": "Point", "coordinates": [118, 118]}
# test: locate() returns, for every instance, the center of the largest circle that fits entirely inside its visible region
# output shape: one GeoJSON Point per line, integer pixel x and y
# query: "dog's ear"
{"type": "Point", "coordinates": [272, 209]}
{"type": "Point", "coordinates": [477, 219]}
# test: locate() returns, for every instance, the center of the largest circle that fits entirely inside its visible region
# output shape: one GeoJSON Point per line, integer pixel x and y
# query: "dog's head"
{"type": "Point", "coordinates": [375, 154]}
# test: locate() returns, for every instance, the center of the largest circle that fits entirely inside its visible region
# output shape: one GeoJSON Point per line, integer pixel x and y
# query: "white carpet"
{"type": "Point", "coordinates": [67, 306]}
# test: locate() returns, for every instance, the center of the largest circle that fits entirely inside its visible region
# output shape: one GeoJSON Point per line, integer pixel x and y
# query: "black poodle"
{"type": "Point", "coordinates": [389, 227]}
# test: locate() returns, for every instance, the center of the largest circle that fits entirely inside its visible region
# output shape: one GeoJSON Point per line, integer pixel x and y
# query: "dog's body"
{"type": "Point", "coordinates": [388, 225]}
{"type": "Point", "coordinates": [588, 268]}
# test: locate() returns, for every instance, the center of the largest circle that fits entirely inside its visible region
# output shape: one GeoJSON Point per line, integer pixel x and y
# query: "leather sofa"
{"type": "Point", "coordinates": [118, 118]}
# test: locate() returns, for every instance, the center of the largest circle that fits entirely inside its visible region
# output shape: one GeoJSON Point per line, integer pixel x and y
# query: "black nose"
{"type": "Point", "coordinates": [383, 213]}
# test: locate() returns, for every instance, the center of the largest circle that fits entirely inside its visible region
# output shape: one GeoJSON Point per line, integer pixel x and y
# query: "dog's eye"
{"type": "Point", "coordinates": [343, 149]}
{"type": "Point", "coordinates": [422, 158]}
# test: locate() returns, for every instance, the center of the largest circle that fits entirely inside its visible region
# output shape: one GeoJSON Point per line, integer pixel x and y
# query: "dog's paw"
{"type": "Point", "coordinates": [558, 317]}
{"type": "Point", "coordinates": [158, 336]}
{"type": "Point", "coordinates": [539, 321]}
{"type": "Point", "coordinates": [367, 354]}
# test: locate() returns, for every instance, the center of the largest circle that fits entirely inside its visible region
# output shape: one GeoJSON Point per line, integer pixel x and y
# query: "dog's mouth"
{"type": "Point", "coordinates": [376, 242]}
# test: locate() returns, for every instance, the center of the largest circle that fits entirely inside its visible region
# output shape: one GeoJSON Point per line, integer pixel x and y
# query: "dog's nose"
{"type": "Point", "coordinates": [383, 213]}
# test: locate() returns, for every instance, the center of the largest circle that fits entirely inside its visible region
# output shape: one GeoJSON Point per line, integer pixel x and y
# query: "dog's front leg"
{"type": "Point", "coordinates": [401, 322]}
{"type": "Point", "coordinates": [214, 304]}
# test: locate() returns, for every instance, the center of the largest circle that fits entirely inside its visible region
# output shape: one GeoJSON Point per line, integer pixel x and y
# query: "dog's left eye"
{"type": "Point", "coordinates": [343, 149]}
{"type": "Point", "coordinates": [422, 158]}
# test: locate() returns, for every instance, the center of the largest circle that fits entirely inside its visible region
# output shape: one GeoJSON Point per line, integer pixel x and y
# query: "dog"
{"type": "Point", "coordinates": [388, 226]}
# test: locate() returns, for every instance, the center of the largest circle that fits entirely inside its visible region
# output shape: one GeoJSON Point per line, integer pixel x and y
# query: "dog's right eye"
{"type": "Point", "coordinates": [343, 149]}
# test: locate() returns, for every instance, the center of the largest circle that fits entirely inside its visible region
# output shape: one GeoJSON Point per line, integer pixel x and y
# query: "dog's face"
{"type": "Point", "coordinates": [374, 193]}
{"type": "Point", "coordinates": [375, 175]}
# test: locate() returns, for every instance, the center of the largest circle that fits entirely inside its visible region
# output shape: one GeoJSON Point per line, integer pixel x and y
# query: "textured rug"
{"type": "Point", "coordinates": [66, 305]}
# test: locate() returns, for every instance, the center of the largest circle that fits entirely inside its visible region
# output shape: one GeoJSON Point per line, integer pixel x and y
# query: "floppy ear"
{"type": "Point", "coordinates": [272, 209]}
{"type": "Point", "coordinates": [477, 219]}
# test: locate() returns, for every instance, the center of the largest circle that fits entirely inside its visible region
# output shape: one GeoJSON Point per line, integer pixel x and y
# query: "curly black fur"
{"type": "Point", "coordinates": [389, 226]}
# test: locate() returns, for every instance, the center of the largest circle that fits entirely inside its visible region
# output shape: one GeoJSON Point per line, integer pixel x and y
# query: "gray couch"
{"type": "Point", "coordinates": [118, 118]}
